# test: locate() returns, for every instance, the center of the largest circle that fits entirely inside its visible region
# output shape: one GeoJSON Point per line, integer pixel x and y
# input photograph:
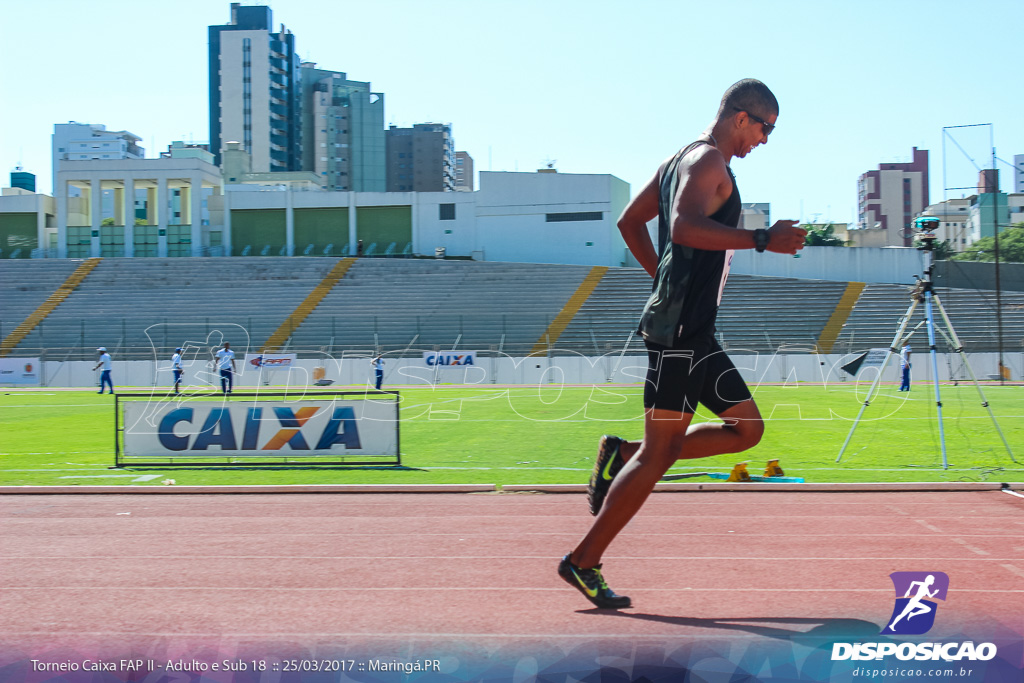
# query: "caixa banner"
{"type": "Point", "coordinates": [260, 429]}
{"type": "Point", "coordinates": [445, 359]}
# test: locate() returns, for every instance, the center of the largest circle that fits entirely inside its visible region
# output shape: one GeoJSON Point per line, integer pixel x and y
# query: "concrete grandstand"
{"type": "Point", "coordinates": [142, 308]}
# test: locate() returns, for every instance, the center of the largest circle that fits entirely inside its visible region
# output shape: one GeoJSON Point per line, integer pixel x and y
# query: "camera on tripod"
{"type": "Point", "coordinates": [924, 229]}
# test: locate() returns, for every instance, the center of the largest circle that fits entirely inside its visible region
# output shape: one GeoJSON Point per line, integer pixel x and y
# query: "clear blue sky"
{"type": "Point", "coordinates": [601, 86]}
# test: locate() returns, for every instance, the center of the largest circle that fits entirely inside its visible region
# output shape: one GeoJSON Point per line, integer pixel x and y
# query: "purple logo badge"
{"type": "Point", "coordinates": [914, 613]}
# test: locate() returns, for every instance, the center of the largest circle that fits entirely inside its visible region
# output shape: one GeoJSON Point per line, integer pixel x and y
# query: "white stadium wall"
{"type": "Point", "coordinates": [788, 369]}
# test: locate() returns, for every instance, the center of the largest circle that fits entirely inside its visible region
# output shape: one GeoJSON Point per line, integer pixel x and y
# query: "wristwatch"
{"type": "Point", "coordinates": [760, 240]}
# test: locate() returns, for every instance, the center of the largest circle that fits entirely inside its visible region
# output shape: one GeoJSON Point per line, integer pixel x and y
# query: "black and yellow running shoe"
{"type": "Point", "coordinates": [609, 462]}
{"type": "Point", "coordinates": [591, 583]}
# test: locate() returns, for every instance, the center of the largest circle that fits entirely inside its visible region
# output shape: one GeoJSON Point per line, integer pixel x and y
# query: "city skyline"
{"type": "Point", "coordinates": [586, 85]}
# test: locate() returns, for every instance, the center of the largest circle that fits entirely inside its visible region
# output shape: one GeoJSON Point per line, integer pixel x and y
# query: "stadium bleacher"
{"type": "Point", "coordinates": [145, 306]}
{"type": "Point", "coordinates": [876, 317]}
{"type": "Point", "coordinates": [26, 284]}
{"type": "Point", "coordinates": [398, 303]}
{"type": "Point", "coordinates": [394, 304]}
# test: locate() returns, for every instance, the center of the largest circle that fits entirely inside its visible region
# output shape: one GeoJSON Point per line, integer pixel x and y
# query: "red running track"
{"type": "Point", "coordinates": [79, 571]}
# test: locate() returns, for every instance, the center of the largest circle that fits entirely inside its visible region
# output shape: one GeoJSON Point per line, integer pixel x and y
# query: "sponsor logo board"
{"type": "Point", "coordinates": [264, 428]}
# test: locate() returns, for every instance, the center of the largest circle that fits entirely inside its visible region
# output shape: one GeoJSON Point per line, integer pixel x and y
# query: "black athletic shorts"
{"type": "Point", "coordinates": [695, 370]}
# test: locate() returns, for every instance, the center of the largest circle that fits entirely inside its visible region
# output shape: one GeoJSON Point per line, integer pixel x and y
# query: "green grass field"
{"type": "Point", "coordinates": [526, 435]}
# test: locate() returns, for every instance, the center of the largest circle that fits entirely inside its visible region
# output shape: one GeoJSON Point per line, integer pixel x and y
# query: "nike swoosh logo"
{"type": "Point", "coordinates": [607, 472]}
{"type": "Point", "coordinates": [592, 592]}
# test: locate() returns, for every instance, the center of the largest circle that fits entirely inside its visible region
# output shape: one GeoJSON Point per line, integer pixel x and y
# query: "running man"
{"type": "Point", "coordinates": [226, 364]}
{"type": "Point", "coordinates": [176, 367]}
{"type": "Point", "coordinates": [694, 196]}
{"type": "Point", "coordinates": [915, 607]}
{"type": "Point", "coordinates": [107, 365]}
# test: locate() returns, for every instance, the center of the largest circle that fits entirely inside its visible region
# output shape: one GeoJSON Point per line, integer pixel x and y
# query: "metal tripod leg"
{"type": "Point", "coordinates": [874, 385]}
{"type": "Point", "coordinates": [930, 318]}
{"type": "Point", "coordinates": [963, 356]}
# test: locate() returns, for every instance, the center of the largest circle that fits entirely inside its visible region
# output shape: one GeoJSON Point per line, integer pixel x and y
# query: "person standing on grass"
{"type": "Point", "coordinates": [226, 364]}
{"type": "Point", "coordinates": [378, 369]}
{"type": "Point", "coordinates": [695, 198]}
{"type": "Point", "coordinates": [176, 367]}
{"type": "Point", "coordinates": [107, 365]}
{"type": "Point", "coordinates": [905, 368]}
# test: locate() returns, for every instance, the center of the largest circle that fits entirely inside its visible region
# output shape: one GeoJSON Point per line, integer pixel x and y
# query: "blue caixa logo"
{"type": "Point", "coordinates": [914, 612]}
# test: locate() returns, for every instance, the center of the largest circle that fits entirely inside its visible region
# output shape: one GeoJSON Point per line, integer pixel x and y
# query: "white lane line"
{"type": "Point", "coordinates": [928, 526]}
{"type": "Point", "coordinates": [474, 537]}
{"type": "Point", "coordinates": [134, 477]}
{"type": "Point", "coordinates": [546, 558]}
{"type": "Point", "coordinates": [1013, 493]}
{"type": "Point", "coordinates": [398, 589]}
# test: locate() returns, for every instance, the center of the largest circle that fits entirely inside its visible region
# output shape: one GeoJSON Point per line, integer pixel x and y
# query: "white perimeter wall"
{"type": "Point", "coordinates": [896, 265]}
{"type": "Point", "coordinates": [765, 368]}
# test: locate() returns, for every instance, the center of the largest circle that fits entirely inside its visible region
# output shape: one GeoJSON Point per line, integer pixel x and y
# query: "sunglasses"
{"type": "Point", "coordinates": [766, 127]}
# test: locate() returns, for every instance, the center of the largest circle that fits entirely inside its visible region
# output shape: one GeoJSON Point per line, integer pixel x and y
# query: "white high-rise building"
{"type": "Point", "coordinates": [74, 141]}
{"type": "Point", "coordinates": [1018, 173]}
{"type": "Point", "coordinates": [255, 90]}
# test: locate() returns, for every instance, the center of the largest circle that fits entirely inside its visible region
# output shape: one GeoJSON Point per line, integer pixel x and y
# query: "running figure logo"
{"type": "Point", "coordinates": [913, 613]}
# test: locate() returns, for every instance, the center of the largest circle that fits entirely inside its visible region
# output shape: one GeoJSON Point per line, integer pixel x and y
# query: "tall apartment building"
{"type": "Point", "coordinates": [889, 198]}
{"type": "Point", "coordinates": [342, 131]}
{"type": "Point", "coordinates": [463, 172]}
{"type": "Point", "coordinates": [73, 141]}
{"type": "Point", "coordinates": [255, 90]}
{"type": "Point", "coordinates": [1018, 173]}
{"type": "Point", "coordinates": [421, 158]}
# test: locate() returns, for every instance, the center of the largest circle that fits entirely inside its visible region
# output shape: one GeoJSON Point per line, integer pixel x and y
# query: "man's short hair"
{"type": "Point", "coordinates": [749, 95]}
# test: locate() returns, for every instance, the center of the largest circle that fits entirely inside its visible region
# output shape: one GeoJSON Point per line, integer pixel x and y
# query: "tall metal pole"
{"type": "Point", "coordinates": [995, 232]}
{"type": "Point", "coordinates": [929, 316]}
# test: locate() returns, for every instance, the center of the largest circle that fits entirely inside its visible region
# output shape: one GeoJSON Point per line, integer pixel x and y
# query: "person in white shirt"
{"type": "Point", "coordinates": [107, 365]}
{"type": "Point", "coordinates": [226, 364]}
{"type": "Point", "coordinates": [176, 366]}
{"type": "Point", "coordinates": [378, 367]}
{"type": "Point", "coordinates": [905, 368]}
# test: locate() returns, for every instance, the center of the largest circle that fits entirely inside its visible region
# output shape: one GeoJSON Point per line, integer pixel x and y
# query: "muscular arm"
{"type": "Point", "coordinates": [702, 191]}
{"type": "Point", "coordinates": [633, 225]}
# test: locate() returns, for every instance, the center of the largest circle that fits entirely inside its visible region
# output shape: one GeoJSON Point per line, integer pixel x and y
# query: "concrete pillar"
{"type": "Point", "coordinates": [195, 194]}
{"type": "Point", "coordinates": [161, 215]}
{"type": "Point", "coordinates": [61, 194]}
{"type": "Point", "coordinates": [225, 236]}
{"type": "Point", "coordinates": [95, 215]}
{"type": "Point", "coordinates": [289, 223]}
{"type": "Point", "coordinates": [129, 217]}
{"type": "Point", "coordinates": [119, 206]}
{"type": "Point", "coordinates": [40, 221]}
{"type": "Point", "coordinates": [152, 215]}
{"type": "Point", "coordinates": [353, 227]}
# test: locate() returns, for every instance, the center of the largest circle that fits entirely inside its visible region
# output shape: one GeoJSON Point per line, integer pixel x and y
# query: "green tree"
{"type": "Point", "coordinates": [822, 236]}
{"type": "Point", "coordinates": [1011, 247]}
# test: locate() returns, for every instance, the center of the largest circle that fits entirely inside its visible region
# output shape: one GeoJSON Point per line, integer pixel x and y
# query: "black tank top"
{"type": "Point", "coordinates": [688, 284]}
